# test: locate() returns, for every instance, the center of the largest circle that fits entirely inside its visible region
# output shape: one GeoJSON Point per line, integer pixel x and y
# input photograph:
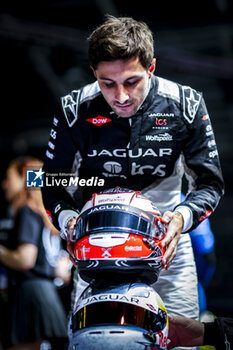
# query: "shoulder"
{"type": "Point", "coordinates": [26, 213]}
{"type": "Point", "coordinates": [28, 225]}
{"type": "Point", "coordinates": [168, 88]}
{"type": "Point", "coordinates": [187, 98]}
{"type": "Point", "coordinates": [72, 101]}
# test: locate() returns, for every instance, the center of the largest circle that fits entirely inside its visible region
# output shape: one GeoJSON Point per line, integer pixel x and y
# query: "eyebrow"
{"type": "Point", "coordinates": [102, 78]}
{"type": "Point", "coordinates": [132, 77]}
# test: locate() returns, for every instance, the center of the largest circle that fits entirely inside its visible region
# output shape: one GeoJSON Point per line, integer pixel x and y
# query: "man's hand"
{"type": "Point", "coordinates": [70, 225]}
{"type": "Point", "coordinates": [70, 229]}
{"type": "Point", "coordinates": [185, 332]}
{"type": "Point", "coordinates": [63, 267]}
{"type": "Point", "coordinates": [175, 224]}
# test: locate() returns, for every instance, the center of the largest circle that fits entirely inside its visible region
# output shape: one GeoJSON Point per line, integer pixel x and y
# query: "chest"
{"type": "Point", "coordinates": [147, 144]}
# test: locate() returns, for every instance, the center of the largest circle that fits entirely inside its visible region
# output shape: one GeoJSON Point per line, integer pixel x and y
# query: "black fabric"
{"type": "Point", "coordinates": [29, 228]}
{"type": "Point", "coordinates": [35, 309]}
{"type": "Point", "coordinates": [219, 333]}
{"type": "Point", "coordinates": [36, 312]}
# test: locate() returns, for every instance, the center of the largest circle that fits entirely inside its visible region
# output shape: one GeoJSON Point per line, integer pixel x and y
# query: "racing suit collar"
{"type": "Point", "coordinates": [150, 96]}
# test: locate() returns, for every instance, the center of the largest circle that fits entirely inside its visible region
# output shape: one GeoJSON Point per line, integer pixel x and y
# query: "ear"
{"type": "Point", "coordinates": [94, 72]}
{"type": "Point", "coordinates": [152, 67]}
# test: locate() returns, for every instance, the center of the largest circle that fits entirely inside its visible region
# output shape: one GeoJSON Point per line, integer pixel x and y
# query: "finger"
{"type": "Point", "coordinates": [168, 238]}
{"type": "Point", "coordinates": [170, 256]}
{"type": "Point", "coordinates": [170, 252]}
{"type": "Point", "coordinates": [167, 217]}
{"type": "Point", "coordinates": [168, 260]}
{"type": "Point", "coordinates": [170, 234]}
{"type": "Point", "coordinates": [71, 223]}
{"type": "Point", "coordinates": [174, 227]}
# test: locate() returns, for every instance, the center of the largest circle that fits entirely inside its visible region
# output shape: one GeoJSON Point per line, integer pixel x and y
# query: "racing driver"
{"type": "Point", "coordinates": [136, 130]}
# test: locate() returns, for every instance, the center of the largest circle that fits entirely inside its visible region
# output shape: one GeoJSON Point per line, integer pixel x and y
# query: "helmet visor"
{"type": "Point", "coordinates": [118, 313]}
{"type": "Point", "coordinates": [129, 221]}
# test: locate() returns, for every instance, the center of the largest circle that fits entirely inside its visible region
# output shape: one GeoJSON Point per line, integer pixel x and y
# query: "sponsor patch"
{"type": "Point", "coordinates": [205, 117]}
{"type": "Point", "coordinates": [123, 153]}
{"type": "Point", "coordinates": [161, 121]}
{"type": "Point", "coordinates": [209, 130]}
{"type": "Point", "coordinates": [206, 215]}
{"type": "Point", "coordinates": [55, 121]}
{"type": "Point", "coordinates": [161, 137]}
{"type": "Point", "coordinates": [99, 121]}
{"type": "Point", "coordinates": [113, 169]}
{"type": "Point", "coordinates": [136, 248]}
{"type": "Point", "coordinates": [161, 115]}
{"type": "Point", "coordinates": [211, 143]}
{"type": "Point", "coordinates": [213, 154]}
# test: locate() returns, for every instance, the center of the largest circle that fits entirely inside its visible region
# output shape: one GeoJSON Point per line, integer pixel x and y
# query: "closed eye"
{"type": "Point", "coordinates": [131, 83]}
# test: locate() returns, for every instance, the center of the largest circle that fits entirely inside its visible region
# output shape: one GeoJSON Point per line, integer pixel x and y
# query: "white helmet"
{"type": "Point", "coordinates": [118, 231]}
{"type": "Point", "coordinates": [125, 316]}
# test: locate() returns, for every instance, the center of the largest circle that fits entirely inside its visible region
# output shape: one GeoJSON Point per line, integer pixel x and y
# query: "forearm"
{"type": "Point", "coordinates": [60, 207]}
{"type": "Point", "coordinates": [188, 332]}
{"type": "Point", "coordinates": [202, 168]}
{"type": "Point", "coordinates": [20, 258]}
{"type": "Point", "coordinates": [202, 203]}
{"type": "Point", "coordinates": [56, 201]}
{"type": "Point", "coordinates": [185, 332]}
{"type": "Point", "coordinates": [60, 160]}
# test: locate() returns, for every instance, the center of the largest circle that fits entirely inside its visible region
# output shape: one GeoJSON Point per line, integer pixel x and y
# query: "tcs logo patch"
{"type": "Point", "coordinates": [160, 121]}
{"type": "Point", "coordinates": [99, 121]}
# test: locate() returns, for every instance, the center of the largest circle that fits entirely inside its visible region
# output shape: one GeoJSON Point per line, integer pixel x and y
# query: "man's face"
{"type": "Point", "coordinates": [13, 184]}
{"type": "Point", "coordinates": [124, 84]}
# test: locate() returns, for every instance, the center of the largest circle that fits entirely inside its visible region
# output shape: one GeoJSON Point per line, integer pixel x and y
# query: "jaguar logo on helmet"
{"type": "Point", "coordinates": [120, 238]}
{"type": "Point", "coordinates": [119, 316]}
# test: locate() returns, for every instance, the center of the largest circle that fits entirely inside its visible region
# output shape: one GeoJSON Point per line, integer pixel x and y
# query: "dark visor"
{"type": "Point", "coordinates": [118, 313]}
{"type": "Point", "coordinates": [113, 221]}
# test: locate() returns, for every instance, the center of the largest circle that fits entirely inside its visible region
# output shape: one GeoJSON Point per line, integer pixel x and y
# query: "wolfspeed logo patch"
{"type": "Point", "coordinates": [159, 138]}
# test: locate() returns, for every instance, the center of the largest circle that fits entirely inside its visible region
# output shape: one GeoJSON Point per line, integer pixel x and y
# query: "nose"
{"type": "Point", "coordinates": [121, 94]}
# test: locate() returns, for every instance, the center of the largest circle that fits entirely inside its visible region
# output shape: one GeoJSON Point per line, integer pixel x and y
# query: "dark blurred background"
{"type": "Point", "coordinates": [44, 56]}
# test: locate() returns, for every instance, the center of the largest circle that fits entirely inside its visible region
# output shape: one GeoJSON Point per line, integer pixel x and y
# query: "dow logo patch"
{"type": "Point", "coordinates": [99, 121]}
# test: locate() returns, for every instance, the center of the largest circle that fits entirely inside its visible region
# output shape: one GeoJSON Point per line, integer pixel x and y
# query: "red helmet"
{"type": "Point", "coordinates": [118, 231]}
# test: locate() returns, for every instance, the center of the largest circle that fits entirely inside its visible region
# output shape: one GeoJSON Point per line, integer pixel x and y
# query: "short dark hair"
{"type": "Point", "coordinates": [121, 38]}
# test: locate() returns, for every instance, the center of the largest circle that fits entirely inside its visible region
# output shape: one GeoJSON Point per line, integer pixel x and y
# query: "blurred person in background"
{"type": "Point", "coordinates": [34, 259]}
